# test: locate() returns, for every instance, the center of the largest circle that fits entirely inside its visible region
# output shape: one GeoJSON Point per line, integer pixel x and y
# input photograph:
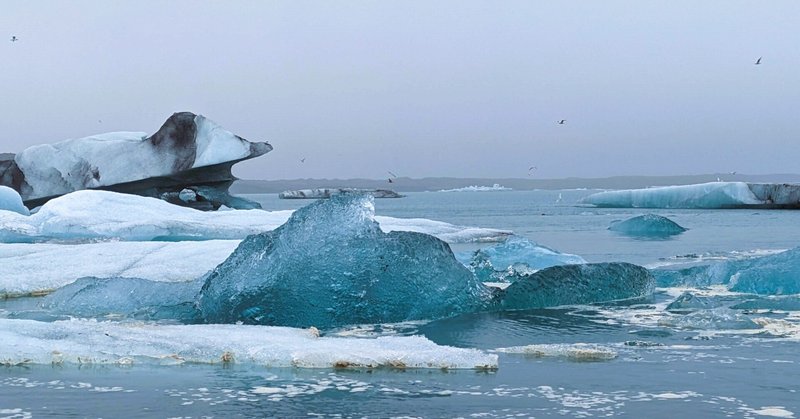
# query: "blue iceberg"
{"type": "Point", "coordinates": [777, 274]}
{"type": "Point", "coordinates": [705, 195]}
{"type": "Point", "coordinates": [577, 284]}
{"type": "Point", "coordinates": [517, 255]}
{"type": "Point", "coordinates": [648, 225]}
{"type": "Point", "coordinates": [331, 265]}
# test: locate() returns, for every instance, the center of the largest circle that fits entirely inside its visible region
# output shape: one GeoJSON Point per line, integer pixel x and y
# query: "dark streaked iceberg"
{"type": "Point", "coordinates": [187, 152]}
{"type": "Point", "coordinates": [326, 193]}
{"type": "Point", "coordinates": [648, 225]}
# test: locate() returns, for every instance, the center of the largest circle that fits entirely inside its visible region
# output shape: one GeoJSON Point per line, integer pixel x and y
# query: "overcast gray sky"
{"type": "Point", "coordinates": [421, 88]}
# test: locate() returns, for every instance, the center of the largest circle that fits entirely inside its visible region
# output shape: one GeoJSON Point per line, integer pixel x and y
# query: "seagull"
{"type": "Point", "coordinates": [14, 38]}
{"type": "Point", "coordinates": [390, 180]}
{"type": "Point", "coordinates": [530, 169]}
{"type": "Point", "coordinates": [732, 173]}
{"type": "Point", "coordinates": [392, 174]}
{"type": "Point", "coordinates": [303, 160]}
{"type": "Point", "coordinates": [758, 61]}
{"type": "Point", "coordinates": [562, 121]}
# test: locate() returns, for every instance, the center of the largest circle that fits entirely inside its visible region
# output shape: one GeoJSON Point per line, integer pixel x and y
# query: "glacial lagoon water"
{"type": "Point", "coordinates": [631, 358]}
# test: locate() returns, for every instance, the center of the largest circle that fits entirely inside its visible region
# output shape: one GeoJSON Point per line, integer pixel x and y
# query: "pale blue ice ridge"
{"type": "Point", "coordinates": [705, 195]}
{"type": "Point", "coordinates": [11, 201]}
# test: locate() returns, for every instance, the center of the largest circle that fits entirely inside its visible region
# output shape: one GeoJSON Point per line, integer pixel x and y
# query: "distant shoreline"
{"type": "Point", "coordinates": [403, 184]}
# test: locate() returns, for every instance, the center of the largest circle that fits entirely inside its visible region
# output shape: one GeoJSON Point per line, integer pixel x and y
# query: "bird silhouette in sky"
{"type": "Point", "coordinates": [758, 61]}
{"type": "Point", "coordinates": [303, 160]}
{"type": "Point", "coordinates": [392, 174]}
{"type": "Point", "coordinates": [14, 38]}
{"type": "Point", "coordinates": [562, 121]}
{"type": "Point", "coordinates": [530, 169]}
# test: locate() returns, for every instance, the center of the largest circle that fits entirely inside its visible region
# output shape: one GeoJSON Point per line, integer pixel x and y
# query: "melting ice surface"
{"type": "Point", "coordinates": [331, 265]}
{"type": "Point", "coordinates": [706, 195]}
{"type": "Point", "coordinates": [648, 225]}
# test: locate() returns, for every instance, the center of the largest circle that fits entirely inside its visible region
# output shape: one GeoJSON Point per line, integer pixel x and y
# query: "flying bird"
{"type": "Point", "coordinates": [562, 121]}
{"type": "Point", "coordinates": [390, 180]}
{"type": "Point", "coordinates": [14, 38]}
{"type": "Point", "coordinates": [303, 160]}
{"type": "Point", "coordinates": [530, 169]}
{"type": "Point", "coordinates": [758, 61]}
{"type": "Point", "coordinates": [392, 174]}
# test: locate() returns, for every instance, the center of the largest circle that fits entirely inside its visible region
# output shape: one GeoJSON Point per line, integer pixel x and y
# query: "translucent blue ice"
{"type": "Point", "coordinates": [648, 225]}
{"type": "Point", "coordinates": [578, 284]}
{"type": "Point", "coordinates": [777, 274]}
{"type": "Point", "coordinates": [516, 255]}
{"type": "Point", "coordinates": [331, 265]}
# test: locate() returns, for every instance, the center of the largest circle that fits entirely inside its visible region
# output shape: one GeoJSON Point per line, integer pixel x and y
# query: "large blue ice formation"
{"type": "Point", "coordinates": [515, 255]}
{"type": "Point", "coordinates": [11, 201]}
{"type": "Point", "coordinates": [777, 274]}
{"type": "Point", "coordinates": [577, 284]}
{"type": "Point", "coordinates": [331, 265]}
{"type": "Point", "coordinates": [648, 225]}
{"type": "Point", "coordinates": [705, 195]}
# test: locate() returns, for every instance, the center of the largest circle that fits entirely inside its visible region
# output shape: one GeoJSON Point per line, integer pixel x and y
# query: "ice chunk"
{"type": "Point", "coordinates": [325, 193]}
{"type": "Point", "coordinates": [648, 225]}
{"type": "Point", "coordinates": [776, 274]}
{"type": "Point", "coordinates": [475, 188]}
{"type": "Point", "coordinates": [516, 255]}
{"type": "Point", "coordinates": [331, 265]}
{"type": "Point", "coordinates": [87, 341]}
{"type": "Point", "coordinates": [580, 352]}
{"type": "Point", "coordinates": [782, 302]}
{"type": "Point", "coordinates": [11, 201]}
{"type": "Point", "coordinates": [705, 195]}
{"type": "Point", "coordinates": [577, 284]}
{"type": "Point", "coordinates": [108, 215]}
{"type": "Point", "coordinates": [40, 267]}
{"type": "Point", "coordinates": [713, 319]}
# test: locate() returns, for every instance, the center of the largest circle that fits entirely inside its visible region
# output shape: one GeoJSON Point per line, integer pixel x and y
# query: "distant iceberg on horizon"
{"type": "Point", "coordinates": [476, 188]}
{"type": "Point", "coordinates": [712, 195]}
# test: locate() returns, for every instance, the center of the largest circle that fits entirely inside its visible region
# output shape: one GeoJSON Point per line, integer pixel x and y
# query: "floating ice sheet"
{"type": "Point", "coordinates": [92, 342]}
{"type": "Point", "coordinates": [11, 201]}
{"type": "Point", "coordinates": [85, 215]}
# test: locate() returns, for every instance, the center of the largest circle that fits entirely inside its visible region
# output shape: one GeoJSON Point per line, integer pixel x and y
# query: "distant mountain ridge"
{"type": "Point", "coordinates": [404, 184]}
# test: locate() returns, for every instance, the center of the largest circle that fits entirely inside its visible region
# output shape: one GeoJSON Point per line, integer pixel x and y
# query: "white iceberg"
{"type": "Point", "coordinates": [476, 188]}
{"type": "Point", "coordinates": [706, 195]}
{"type": "Point", "coordinates": [102, 215]}
{"type": "Point", "coordinates": [92, 342]}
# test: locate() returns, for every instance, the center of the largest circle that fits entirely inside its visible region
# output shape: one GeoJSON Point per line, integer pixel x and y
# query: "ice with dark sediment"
{"type": "Point", "coordinates": [647, 225]}
{"type": "Point", "coordinates": [777, 274]}
{"type": "Point", "coordinates": [331, 265]}
{"type": "Point", "coordinates": [514, 256]}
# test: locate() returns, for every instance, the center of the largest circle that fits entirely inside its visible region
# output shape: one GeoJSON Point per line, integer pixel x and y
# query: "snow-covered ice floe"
{"type": "Point", "coordinates": [706, 195]}
{"type": "Point", "coordinates": [87, 215]}
{"type": "Point", "coordinates": [573, 352]}
{"type": "Point", "coordinates": [34, 268]}
{"type": "Point", "coordinates": [93, 342]}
